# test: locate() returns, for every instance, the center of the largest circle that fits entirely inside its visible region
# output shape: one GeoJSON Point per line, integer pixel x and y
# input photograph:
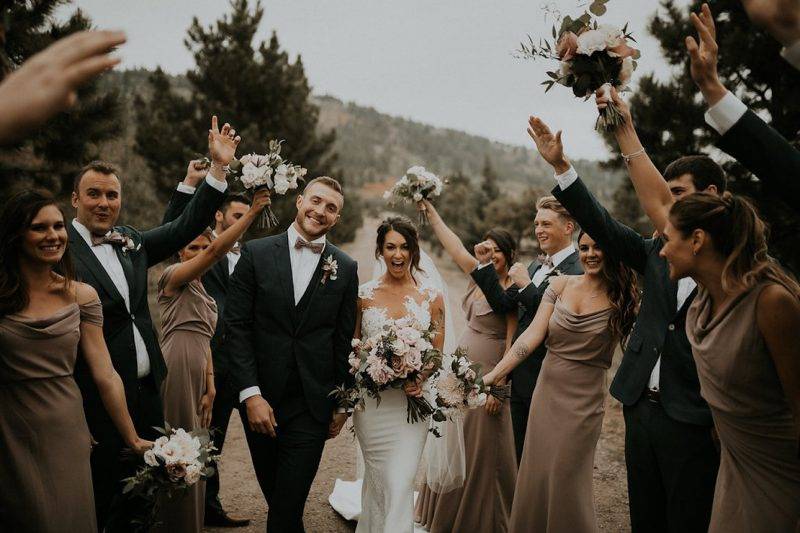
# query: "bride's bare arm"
{"type": "Point", "coordinates": [450, 241]}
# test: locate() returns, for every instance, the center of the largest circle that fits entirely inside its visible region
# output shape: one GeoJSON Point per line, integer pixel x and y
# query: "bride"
{"type": "Point", "coordinates": [391, 446]}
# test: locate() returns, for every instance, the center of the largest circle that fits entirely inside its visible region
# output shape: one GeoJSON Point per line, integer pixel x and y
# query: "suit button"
{"type": "Point", "coordinates": [133, 317]}
{"type": "Point", "coordinates": [671, 327]}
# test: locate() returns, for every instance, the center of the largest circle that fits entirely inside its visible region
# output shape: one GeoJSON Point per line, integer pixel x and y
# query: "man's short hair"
{"type": "Point", "coordinates": [550, 202]}
{"type": "Point", "coordinates": [103, 167]}
{"type": "Point", "coordinates": [231, 198]}
{"type": "Point", "coordinates": [327, 181]}
{"type": "Point", "coordinates": [703, 170]}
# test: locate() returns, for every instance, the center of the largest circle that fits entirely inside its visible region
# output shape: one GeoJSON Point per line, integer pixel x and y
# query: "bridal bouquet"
{"type": "Point", "coordinates": [590, 57]}
{"type": "Point", "coordinates": [177, 461]}
{"type": "Point", "coordinates": [417, 184]}
{"type": "Point", "coordinates": [256, 171]}
{"type": "Point", "coordinates": [399, 353]}
{"type": "Point", "coordinates": [459, 387]}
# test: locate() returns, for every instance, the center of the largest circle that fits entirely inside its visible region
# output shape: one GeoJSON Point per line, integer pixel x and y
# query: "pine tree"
{"type": "Point", "coordinates": [50, 156]}
{"type": "Point", "coordinates": [491, 190]}
{"type": "Point", "coordinates": [257, 88]}
{"type": "Point", "coordinates": [669, 116]}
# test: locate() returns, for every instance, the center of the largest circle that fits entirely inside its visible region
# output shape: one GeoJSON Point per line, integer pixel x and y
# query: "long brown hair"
{"type": "Point", "coordinates": [737, 233]}
{"type": "Point", "coordinates": [15, 219]}
{"type": "Point", "coordinates": [622, 289]}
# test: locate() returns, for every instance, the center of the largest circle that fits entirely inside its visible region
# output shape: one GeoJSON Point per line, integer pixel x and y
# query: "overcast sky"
{"type": "Point", "coordinates": [443, 62]}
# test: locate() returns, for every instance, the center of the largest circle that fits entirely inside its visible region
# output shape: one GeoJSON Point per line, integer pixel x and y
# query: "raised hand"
{"type": "Point", "coordinates": [519, 275]}
{"type": "Point", "coordinates": [781, 18]}
{"type": "Point", "coordinates": [549, 145]}
{"type": "Point", "coordinates": [607, 94]}
{"type": "Point", "coordinates": [483, 252]}
{"type": "Point", "coordinates": [195, 172]}
{"type": "Point", "coordinates": [261, 200]}
{"type": "Point", "coordinates": [222, 143]}
{"type": "Point", "coordinates": [47, 82]}
{"type": "Point", "coordinates": [703, 56]}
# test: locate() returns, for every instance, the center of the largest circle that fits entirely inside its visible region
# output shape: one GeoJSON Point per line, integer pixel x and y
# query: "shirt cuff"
{"type": "Point", "coordinates": [221, 186]}
{"type": "Point", "coordinates": [792, 54]}
{"type": "Point", "coordinates": [724, 114]}
{"type": "Point", "coordinates": [188, 189]}
{"type": "Point", "coordinates": [248, 392]}
{"type": "Point", "coordinates": [483, 265]}
{"type": "Point", "coordinates": [525, 287]}
{"type": "Point", "coordinates": [567, 178]}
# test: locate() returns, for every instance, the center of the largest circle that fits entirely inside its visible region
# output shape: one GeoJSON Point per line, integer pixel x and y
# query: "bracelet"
{"type": "Point", "coordinates": [628, 157]}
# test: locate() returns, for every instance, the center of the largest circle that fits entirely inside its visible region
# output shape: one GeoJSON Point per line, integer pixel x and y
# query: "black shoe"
{"type": "Point", "coordinates": [219, 518]}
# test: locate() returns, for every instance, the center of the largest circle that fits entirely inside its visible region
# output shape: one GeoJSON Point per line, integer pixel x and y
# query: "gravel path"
{"type": "Point", "coordinates": [242, 497]}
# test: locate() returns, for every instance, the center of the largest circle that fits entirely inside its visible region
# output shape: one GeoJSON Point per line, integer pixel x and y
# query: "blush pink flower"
{"type": "Point", "coordinates": [567, 46]}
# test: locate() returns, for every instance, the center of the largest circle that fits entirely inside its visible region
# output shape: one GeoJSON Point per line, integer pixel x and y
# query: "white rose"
{"type": "Point", "coordinates": [193, 472]}
{"type": "Point", "coordinates": [591, 41]}
{"type": "Point", "coordinates": [150, 458]}
{"type": "Point", "coordinates": [626, 71]}
{"type": "Point", "coordinates": [282, 184]}
{"type": "Point", "coordinates": [613, 36]}
{"type": "Point", "coordinates": [246, 158]}
{"type": "Point", "coordinates": [417, 197]}
{"type": "Point", "coordinates": [416, 170]}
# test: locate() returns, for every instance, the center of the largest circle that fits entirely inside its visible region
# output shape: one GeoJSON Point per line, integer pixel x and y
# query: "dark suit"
{"type": "Point", "coordinates": [215, 282]}
{"type": "Point", "coordinates": [143, 397]}
{"type": "Point", "coordinates": [296, 354]}
{"type": "Point", "coordinates": [765, 153]}
{"type": "Point", "coordinates": [524, 303]}
{"type": "Point", "coordinates": [671, 460]}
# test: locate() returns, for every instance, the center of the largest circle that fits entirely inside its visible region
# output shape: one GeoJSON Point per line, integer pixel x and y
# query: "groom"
{"type": "Point", "coordinates": [290, 317]}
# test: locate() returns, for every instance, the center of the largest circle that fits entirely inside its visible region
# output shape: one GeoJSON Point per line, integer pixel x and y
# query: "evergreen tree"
{"type": "Point", "coordinates": [489, 187]}
{"type": "Point", "coordinates": [254, 87]}
{"type": "Point", "coordinates": [669, 116]}
{"type": "Point", "coordinates": [50, 156]}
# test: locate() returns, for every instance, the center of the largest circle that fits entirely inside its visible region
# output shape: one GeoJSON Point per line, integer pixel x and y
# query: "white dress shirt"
{"type": "Point", "coordinates": [541, 274]}
{"type": "Point", "coordinates": [792, 54]}
{"type": "Point", "coordinates": [304, 262]}
{"type": "Point", "coordinates": [107, 256]}
{"type": "Point", "coordinates": [232, 257]}
{"type": "Point", "coordinates": [725, 115]}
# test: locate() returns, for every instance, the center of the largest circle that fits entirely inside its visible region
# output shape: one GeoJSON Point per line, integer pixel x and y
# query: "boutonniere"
{"type": "Point", "coordinates": [554, 272]}
{"type": "Point", "coordinates": [329, 269]}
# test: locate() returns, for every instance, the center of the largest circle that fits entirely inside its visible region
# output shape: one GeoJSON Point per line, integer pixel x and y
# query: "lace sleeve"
{"type": "Point", "coordinates": [367, 290]}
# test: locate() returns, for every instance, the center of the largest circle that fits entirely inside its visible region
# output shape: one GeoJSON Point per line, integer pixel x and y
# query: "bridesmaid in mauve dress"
{"type": "Point", "coordinates": [483, 503]}
{"type": "Point", "coordinates": [188, 319]}
{"type": "Point", "coordinates": [554, 483]}
{"type": "Point", "coordinates": [44, 439]}
{"type": "Point", "coordinates": [740, 326]}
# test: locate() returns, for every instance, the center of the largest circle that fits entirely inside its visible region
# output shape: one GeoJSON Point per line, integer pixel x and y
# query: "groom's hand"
{"type": "Point", "coordinates": [337, 423]}
{"type": "Point", "coordinates": [260, 416]}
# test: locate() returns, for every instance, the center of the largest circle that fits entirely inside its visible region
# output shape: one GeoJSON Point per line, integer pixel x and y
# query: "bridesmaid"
{"type": "Point", "coordinates": [45, 316]}
{"type": "Point", "coordinates": [188, 319]}
{"type": "Point", "coordinates": [583, 318]}
{"type": "Point", "coordinates": [741, 327]}
{"type": "Point", "coordinates": [483, 503]}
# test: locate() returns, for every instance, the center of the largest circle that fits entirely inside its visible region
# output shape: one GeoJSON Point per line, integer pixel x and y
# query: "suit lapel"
{"type": "Point", "coordinates": [283, 266]}
{"type": "Point", "coordinates": [127, 268]}
{"type": "Point", "coordinates": [84, 254]}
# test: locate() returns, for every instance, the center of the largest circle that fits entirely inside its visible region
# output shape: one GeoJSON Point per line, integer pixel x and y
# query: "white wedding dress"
{"type": "Point", "coordinates": [391, 447]}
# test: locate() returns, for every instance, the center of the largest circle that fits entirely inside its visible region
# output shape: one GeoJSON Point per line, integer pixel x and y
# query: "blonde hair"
{"type": "Point", "coordinates": [550, 202]}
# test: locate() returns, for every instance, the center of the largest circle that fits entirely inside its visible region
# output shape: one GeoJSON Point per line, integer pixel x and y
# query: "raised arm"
{"type": "Point", "coordinates": [620, 240]}
{"type": "Point", "coordinates": [165, 241]}
{"type": "Point", "coordinates": [450, 241]}
{"type": "Point", "coordinates": [109, 384]}
{"type": "Point", "coordinates": [651, 189]}
{"type": "Point", "coordinates": [778, 311]}
{"type": "Point", "coordinates": [500, 299]}
{"type": "Point", "coordinates": [182, 195]}
{"type": "Point", "coordinates": [195, 267]}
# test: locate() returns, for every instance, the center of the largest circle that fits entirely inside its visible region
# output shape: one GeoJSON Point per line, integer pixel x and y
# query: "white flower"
{"type": "Point", "coordinates": [193, 472]}
{"type": "Point", "coordinates": [417, 197]}
{"type": "Point", "coordinates": [626, 71]}
{"type": "Point", "coordinates": [355, 343]}
{"type": "Point", "coordinates": [281, 184]}
{"type": "Point", "coordinates": [613, 36]}
{"type": "Point", "coordinates": [591, 41]}
{"type": "Point", "coordinates": [150, 458]}
{"type": "Point", "coordinates": [416, 171]}
{"type": "Point", "coordinates": [450, 389]}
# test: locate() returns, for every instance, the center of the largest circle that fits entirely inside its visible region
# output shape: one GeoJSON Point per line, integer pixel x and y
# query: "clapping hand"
{"type": "Point", "coordinates": [222, 143]}
{"type": "Point", "coordinates": [47, 82]}
{"type": "Point", "coordinates": [703, 56]}
{"type": "Point", "coordinates": [549, 145]}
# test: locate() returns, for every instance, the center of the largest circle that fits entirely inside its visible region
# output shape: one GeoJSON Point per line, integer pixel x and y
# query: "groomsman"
{"type": "Point", "coordinates": [670, 454]}
{"type": "Point", "coordinates": [115, 260]}
{"type": "Point", "coordinates": [554, 228]}
{"type": "Point", "coordinates": [215, 282]}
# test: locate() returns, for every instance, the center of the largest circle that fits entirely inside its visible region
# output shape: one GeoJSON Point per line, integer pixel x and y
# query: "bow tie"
{"type": "Point", "coordinates": [545, 260]}
{"type": "Point", "coordinates": [315, 247]}
{"type": "Point", "coordinates": [112, 237]}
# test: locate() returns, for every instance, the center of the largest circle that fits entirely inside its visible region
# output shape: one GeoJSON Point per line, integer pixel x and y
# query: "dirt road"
{"type": "Point", "coordinates": [242, 497]}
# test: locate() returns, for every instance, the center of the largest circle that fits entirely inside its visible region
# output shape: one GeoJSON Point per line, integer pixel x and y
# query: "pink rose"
{"type": "Point", "coordinates": [567, 46]}
{"type": "Point", "coordinates": [621, 50]}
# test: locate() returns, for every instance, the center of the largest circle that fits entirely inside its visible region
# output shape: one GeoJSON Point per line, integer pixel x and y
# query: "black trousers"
{"type": "Point", "coordinates": [225, 402]}
{"type": "Point", "coordinates": [286, 465]}
{"type": "Point", "coordinates": [672, 469]}
{"type": "Point", "coordinates": [520, 408]}
{"type": "Point", "coordinates": [109, 466]}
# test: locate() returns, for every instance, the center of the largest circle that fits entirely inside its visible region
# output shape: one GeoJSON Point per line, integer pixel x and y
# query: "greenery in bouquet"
{"type": "Point", "coordinates": [416, 185]}
{"type": "Point", "coordinates": [590, 57]}
{"type": "Point", "coordinates": [177, 461]}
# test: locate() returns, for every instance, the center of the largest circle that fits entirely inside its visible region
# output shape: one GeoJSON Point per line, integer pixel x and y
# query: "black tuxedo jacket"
{"type": "Point", "coordinates": [268, 337]}
{"type": "Point", "coordinates": [660, 328]}
{"type": "Point", "coordinates": [215, 282]}
{"type": "Point", "coordinates": [524, 303]}
{"type": "Point", "coordinates": [152, 247]}
{"type": "Point", "coordinates": [765, 153]}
